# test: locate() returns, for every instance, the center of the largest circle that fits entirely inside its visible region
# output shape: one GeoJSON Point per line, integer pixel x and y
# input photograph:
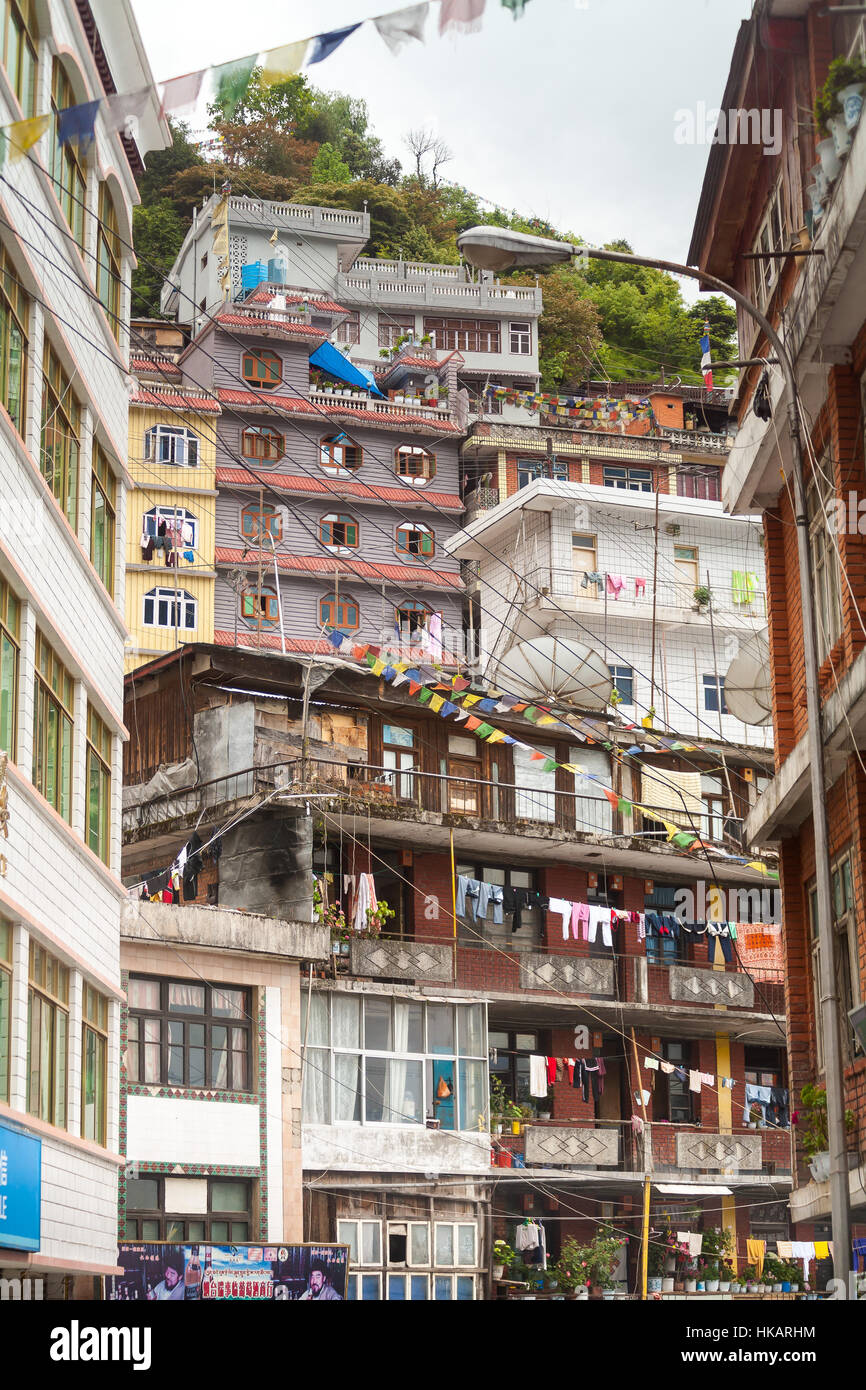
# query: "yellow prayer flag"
{"type": "Point", "coordinates": [23, 134]}
{"type": "Point", "coordinates": [280, 63]}
{"type": "Point", "coordinates": [378, 667]}
{"type": "Point", "coordinates": [472, 699]}
{"type": "Point", "coordinates": [436, 703]}
{"type": "Point", "coordinates": [496, 737]}
{"type": "Point", "coordinates": [547, 719]}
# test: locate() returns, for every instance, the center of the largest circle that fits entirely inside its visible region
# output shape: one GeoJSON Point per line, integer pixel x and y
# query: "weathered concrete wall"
{"type": "Point", "coordinates": [217, 929]}
{"type": "Point", "coordinates": [267, 863]}
{"type": "Point", "coordinates": [394, 1149]}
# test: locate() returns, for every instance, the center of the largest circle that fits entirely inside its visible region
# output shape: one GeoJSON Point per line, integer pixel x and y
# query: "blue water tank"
{"type": "Point", "coordinates": [277, 270]}
{"type": "Point", "coordinates": [253, 274]}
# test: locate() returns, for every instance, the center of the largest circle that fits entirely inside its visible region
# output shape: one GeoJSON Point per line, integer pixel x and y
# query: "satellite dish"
{"type": "Point", "coordinates": [747, 683]}
{"type": "Point", "coordinates": [557, 669]}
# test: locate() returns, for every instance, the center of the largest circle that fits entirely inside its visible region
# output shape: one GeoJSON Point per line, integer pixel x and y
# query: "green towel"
{"type": "Point", "coordinates": [744, 586]}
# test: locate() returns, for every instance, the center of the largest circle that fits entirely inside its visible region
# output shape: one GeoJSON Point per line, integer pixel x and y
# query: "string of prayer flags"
{"type": "Point", "coordinates": [78, 123]}
{"type": "Point", "coordinates": [398, 27]}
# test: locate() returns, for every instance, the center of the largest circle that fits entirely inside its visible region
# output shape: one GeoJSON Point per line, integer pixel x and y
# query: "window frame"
{"type": "Point", "coordinates": [766, 273]}
{"type": "Point", "coordinates": [406, 454]}
{"type": "Point", "coordinates": [714, 694]}
{"type": "Point", "coordinates": [67, 168]}
{"type": "Point", "coordinates": [57, 707]}
{"type": "Point", "coordinates": [403, 544]}
{"type": "Point", "coordinates": [402, 620]}
{"type": "Point", "coordinates": [267, 514]}
{"type": "Point", "coordinates": [820, 501]}
{"type": "Point", "coordinates": [349, 331]}
{"type": "Point", "coordinates": [270, 614]}
{"type": "Point", "coordinates": [98, 776]}
{"type": "Point", "coordinates": [521, 333]}
{"type": "Point", "coordinates": [847, 966]}
{"type": "Point", "coordinates": [14, 322]}
{"type": "Point", "coordinates": [515, 1083]}
{"type": "Point", "coordinates": [171, 516]}
{"type": "Point", "coordinates": [180, 1227]}
{"type": "Point", "coordinates": [261, 368]}
{"type": "Point", "coordinates": [326, 532]}
{"type": "Point", "coordinates": [10, 666]}
{"type": "Point", "coordinates": [6, 938]}
{"type": "Point", "coordinates": [328, 615]}
{"type": "Point", "coordinates": [623, 681]}
{"type": "Point", "coordinates": [273, 444]}
{"type": "Point", "coordinates": [103, 485]}
{"type": "Point", "coordinates": [464, 335]}
{"type": "Point", "coordinates": [109, 258]}
{"type": "Point", "coordinates": [44, 971]}
{"type": "Point", "coordinates": [186, 602]}
{"type": "Point", "coordinates": [26, 42]}
{"type": "Point", "coordinates": [94, 1024]}
{"type": "Point", "coordinates": [627, 479]}
{"type": "Point", "coordinates": [166, 1015]}
{"type": "Point", "coordinates": [181, 442]}
{"type": "Point", "coordinates": [59, 404]}
{"type": "Point", "coordinates": [390, 327]}
{"type": "Point", "coordinates": [340, 467]}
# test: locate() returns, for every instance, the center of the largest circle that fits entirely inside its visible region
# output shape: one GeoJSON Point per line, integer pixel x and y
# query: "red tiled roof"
{"type": "Point", "coordinates": [296, 405]}
{"type": "Point", "coordinates": [370, 492]}
{"type": "Point", "coordinates": [154, 366]}
{"type": "Point", "coordinates": [419, 576]}
{"type": "Point", "coordinates": [264, 295]}
{"type": "Point", "coordinates": [174, 402]}
{"type": "Point", "coordinates": [281, 327]}
{"type": "Point", "coordinates": [310, 646]}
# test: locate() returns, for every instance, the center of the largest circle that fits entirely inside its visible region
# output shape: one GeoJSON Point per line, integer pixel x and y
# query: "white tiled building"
{"type": "Point", "coordinates": [64, 305]}
{"type": "Point", "coordinates": [531, 557]}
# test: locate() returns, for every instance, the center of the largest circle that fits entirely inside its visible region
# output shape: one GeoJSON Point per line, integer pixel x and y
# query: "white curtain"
{"type": "Point", "coordinates": [400, 1106]}
{"type": "Point", "coordinates": [316, 1086]}
{"type": "Point", "coordinates": [592, 809]}
{"type": "Point", "coordinates": [534, 795]}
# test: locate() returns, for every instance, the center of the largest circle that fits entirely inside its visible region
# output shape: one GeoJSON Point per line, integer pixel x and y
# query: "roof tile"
{"type": "Point", "coordinates": [420, 575]}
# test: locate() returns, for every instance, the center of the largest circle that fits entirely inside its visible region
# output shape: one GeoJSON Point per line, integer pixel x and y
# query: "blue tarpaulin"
{"type": "Point", "coordinates": [329, 359]}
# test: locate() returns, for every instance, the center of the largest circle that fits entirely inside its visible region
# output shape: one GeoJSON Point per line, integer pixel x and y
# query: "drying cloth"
{"type": "Point", "coordinates": [636, 1124]}
{"type": "Point", "coordinates": [600, 917]}
{"type": "Point", "coordinates": [678, 794]}
{"type": "Point", "coordinates": [759, 1096]}
{"type": "Point", "coordinates": [639, 588]}
{"type": "Point", "coordinates": [365, 899]}
{"type": "Point", "coordinates": [667, 1067]}
{"type": "Point", "coordinates": [707, 1078]}
{"type": "Point", "coordinates": [652, 1063]}
{"type": "Point", "coordinates": [538, 1076]}
{"type": "Point", "coordinates": [551, 1070]}
{"type": "Point", "coordinates": [744, 586]}
{"type": "Point", "coordinates": [560, 907]}
{"type": "Point", "coordinates": [579, 921]}
{"type": "Point", "coordinates": [696, 1241]}
{"type": "Point", "coordinates": [487, 894]}
{"type": "Point", "coordinates": [784, 1249]}
{"type": "Point", "coordinates": [695, 1081]}
{"type": "Point", "coordinates": [755, 1254]}
{"type": "Point", "coordinates": [467, 895]}
{"type": "Point", "coordinates": [615, 584]}
{"type": "Point", "coordinates": [822, 1250]}
{"type": "Point", "coordinates": [591, 577]}
{"type": "Point", "coordinates": [803, 1250]}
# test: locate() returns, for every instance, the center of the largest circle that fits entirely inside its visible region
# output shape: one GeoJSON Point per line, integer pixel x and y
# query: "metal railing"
{"type": "Point", "coordinates": [636, 594]}
{"type": "Point", "coordinates": [183, 802]}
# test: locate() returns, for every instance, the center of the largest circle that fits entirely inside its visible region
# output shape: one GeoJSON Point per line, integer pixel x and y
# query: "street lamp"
{"type": "Point", "coordinates": [499, 248]}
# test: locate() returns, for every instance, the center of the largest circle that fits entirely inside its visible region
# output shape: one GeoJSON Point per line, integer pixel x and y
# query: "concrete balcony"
{"type": "Point", "coordinates": [356, 400]}
{"type": "Point", "coordinates": [373, 282]}
{"type": "Point", "coordinates": [296, 217]}
{"type": "Point", "coordinates": [390, 959]}
{"type": "Point", "coordinates": [221, 929]}
{"type": "Point", "coordinates": [568, 974]}
{"type": "Point", "coordinates": [675, 603]}
{"type": "Point", "coordinates": [703, 441]}
{"type": "Point", "coordinates": [549, 1145]}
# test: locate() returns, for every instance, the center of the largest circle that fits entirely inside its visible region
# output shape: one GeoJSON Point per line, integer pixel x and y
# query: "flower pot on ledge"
{"type": "Point", "coordinates": [826, 151]}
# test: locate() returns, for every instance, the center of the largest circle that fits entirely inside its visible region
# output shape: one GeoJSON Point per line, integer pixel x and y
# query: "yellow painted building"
{"type": "Point", "coordinates": [169, 514]}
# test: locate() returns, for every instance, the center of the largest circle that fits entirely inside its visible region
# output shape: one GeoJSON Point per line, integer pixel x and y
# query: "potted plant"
{"type": "Point", "coordinates": [813, 1100]}
{"type": "Point", "coordinates": [749, 1277]}
{"type": "Point", "coordinates": [701, 597]}
{"type": "Point", "coordinates": [503, 1258]}
{"type": "Point", "coordinates": [690, 1277]}
{"type": "Point", "coordinates": [655, 1263]}
{"type": "Point", "coordinates": [572, 1269]}
{"type": "Point", "coordinates": [711, 1276]}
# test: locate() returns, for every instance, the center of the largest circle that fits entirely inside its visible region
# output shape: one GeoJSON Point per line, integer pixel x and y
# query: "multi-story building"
{"type": "Point", "coordinates": [807, 195]}
{"type": "Point", "coordinates": [415, 1010]}
{"type": "Point", "coordinates": [64, 308]}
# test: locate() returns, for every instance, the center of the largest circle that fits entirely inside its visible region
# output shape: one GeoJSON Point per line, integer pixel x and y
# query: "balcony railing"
{"type": "Point", "coordinates": [636, 595]}
{"type": "Point", "coordinates": [697, 439]}
{"type": "Point", "coordinates": [610, 1145]}
{"type": "Point", "coordinates": [355, 400]}
{"type": "Point", "coordinates": [258, 213]}
{"type": "Point", "coordinates": [429, 288]}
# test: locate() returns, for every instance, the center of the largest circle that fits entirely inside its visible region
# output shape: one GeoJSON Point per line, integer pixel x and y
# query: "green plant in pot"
{"type": "Point", "coordinates": [503, 1258]}
{"type": "Point", "coordinates": [502, 1108]}
{"type": "Point", "coordinates": [841, 74]}
{"type": "Point", "coordinates": [701, 596]}
{"type": "Point", "coordinates": [811, 1122]}
{"type": "Point", "coordinates": [572, 1269]}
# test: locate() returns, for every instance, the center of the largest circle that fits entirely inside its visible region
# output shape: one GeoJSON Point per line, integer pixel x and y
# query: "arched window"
{"type": "Point", "coordinates": [414, 464]}
{"type": "Point", "coordinates": [169, 608]}
{"type": "Point", "coordinates": [260, 608]}
{"type": "Point", "coordinates": [339, 455]}
{"type": "Point", "coordinates": [412, 620]}
{"type": "Point", "coordinates": [338, 531]}
{"type": "Point", "coordinates": [65, 162]}
{"type": "Point", "coordinates": [262, 369]}
{"type": "Point", "coordinates": [339, 612]}
{"type": "Point", "coordinates": [171, 444]}
{"type": "Point", "coordinates": [18, 51]}
{"type": "Point", "coordinates": [180, 525]}
{"type": "Point", "coordinates": [108, 258]}
{"type": "Point", "coordinates": [414, 539]}
{"type": "Point", "coordinates": [259, 442]}
{"type": "Point", "coordinates": [261, 521]}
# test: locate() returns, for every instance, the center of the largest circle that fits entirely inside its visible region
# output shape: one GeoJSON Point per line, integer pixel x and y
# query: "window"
{"type": "Point", "coordinates": [180, 524]}
{"type": "Point", "coordinates": [258, 442]}
{"type": "Point", "coordinates": [171, 444]}
{"type": "Point", "coordinates": [94, 1065]}
{"type": "Point", "coordinates": [687, 571]}
{"type": "Point", "coordinates": [260, 608]}
{"type": "Point", "coordinates": [378, 1060]}
{"type": "Point", "coordinates": [714, 694]}
{"type": "Point", "coordinates": [511, 1063]}
{"type": "Point", "coordinates": [66, 164]}
{"type": "Point", "coordinates": [663, 950]}
{"type": "Point", "coordinates": [398, 753]}
{"type": "Point", "coordinates": [764, 1066]}
{"type": "Point", "coordinates": [14, 319]}
{"type": "Point", "coordinates": [845, 930]}
{"type": "Point", "coordinates": [413, 621]}
{"type": "Point", "coordinates": [52, 729]}
{"type": "Point", "coordinates": [47, 1036]}
{"type": "Point", "coordinates": [182, 1033]}
{"type": "Point", "coordinates": [455, 1243]}
{"type": "Point", "coordinates": [464, 776]}
{"type": "Point", "coordinates": [679, 1096]}
{"type": "Point", "coordinates": [534, 797]}
{"type": "Point", "coordinates": [454, 1287]}
{"type": "Point", "coordinates": [521, 338]}
{"type": "Point", "coordinates": [630, 479]}
{"type": "Point", "coordinates": [170, 608]}
{"type": "Point", "coordinates": [623, 681]}
{"type": "Point", "coordinates": [109, 265]}
{"type": "Point", "coordinates": [262, 369]}
{"type": "Point", "coordinates": [703, 483]}
{"type": "Point", "coordinates": [349, 331]}
{"type": "Point", "coordinates": [339, 613]}
{"type": "Point", "coordinates": [219, 1210]}
{"type": "Point", "coordinates": [414, 464]}
{"type": "Point", "coordinates": [60, 444]}
{"type": "Point", "coordinates": [5, 1005]}
{"type": "Point", "coordinates": [10, 615]}
{"type": "Point", "coordinates": [715, 804]}
{"type": "Point", "coordinates": [473, 933]}
{"type": "Point", "coordinates": [466, 335]}
{"type": "Point", "coordinates": [771, 237]}
{"type": "Point", "coordinates": [338, 531]}
{"type": "Point", "coordinates": [256, 521]}
{"type": "Point", "coordinates": [364, 1239]}
{"type": "Point", "coordinates": [103, 490]}
{"type": "Point", "coordinates": [585, 562]}
{"type": "Point", "coordinates": [98, 784]}
{"type": "Point", "coordinates": [19, 51]}
{"type": "Point", "coordinates": [414, 539]}
{"type": "Point", "coordinates": [528, 470]}
{"type": "Point", "coordinates": [820, 509]}
{"type": "Point", "coordinates": [339, 456]}
{"type": "Point", "coordinates": [394, 326]}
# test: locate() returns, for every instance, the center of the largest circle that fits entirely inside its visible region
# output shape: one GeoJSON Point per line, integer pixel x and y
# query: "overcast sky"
{"type": "Point", "coordinates": [566, 113]}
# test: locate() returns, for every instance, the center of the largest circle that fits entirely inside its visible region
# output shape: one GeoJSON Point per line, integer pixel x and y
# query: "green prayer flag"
{"type": "Point", "coordinates": [232, 80]}
{"type": "Point", "coordinates": [425, 695]}
{"type": "Point", "coordinates": [683, 839]}
{"type": "Point", "coordinates": [530, 712]}
{"type": "Point", "coordinates": [370, 660]}
{"type": "Point", "coordinates": [624, 807]}
{"type": "Point", "coordinates": [484, 730]}
{"type": "Point", "coordinates": [549, 765]}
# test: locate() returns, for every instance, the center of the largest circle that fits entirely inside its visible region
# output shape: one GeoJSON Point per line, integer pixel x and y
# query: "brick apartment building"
{"type": "Point", "coordinates": [811, 196]}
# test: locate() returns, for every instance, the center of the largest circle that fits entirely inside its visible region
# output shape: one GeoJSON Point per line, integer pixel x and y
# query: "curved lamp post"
{"type": "Point", "coordinates": [500, 248]}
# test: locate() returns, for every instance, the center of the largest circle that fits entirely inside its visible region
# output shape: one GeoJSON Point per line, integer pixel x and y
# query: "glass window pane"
{"type": "Point", "coordinates": [473, 1095]}
{"type": "Point", "coordinates": [219, 1232]}
{"type": "Point", "coordinates": [228, 1003]}
{"type": "Point", "coordinates": [470, 1022]}
{"type": "Point", "coordinates": [316, 1030]}
{"type": "Point", "coordinates": [371, 1243]}
{"type": "Point", "coordinates": [150, 1230]}
{"type": "Point", "coordinates": [228, 1196]}
{"type": "Point", "coordinates": [316, 1087]}
{"type": "Point", "coordinates": [440, 1029]}
{"type": "Point", "coordinates": [408, 1027]}
{"type": "Point", "coordinates": [419, 1287]}
{"type": "Point", "coordinates": [240, 1231]}
{"type": "Point", "coordinates": [444, 1243]}
{"type": "Point", "coordinates": [397, 1287]}
{"type": "Point", "coordinates": [406, 1092]}
{"type": "Point", "coordinates": [347, 1234]}
{"type": "Point", "coordinates": [347, 1087]}
{"type": "Point", "coordinates": [188, 998]}
{"type": "Point", "coordinates": [352, 1288]}
{"type": "Point", "coordinates": [377, 1025]}
{"type": "Point", "coordinates": [346, 1021]}
{"type": "Point", "coordinates": [465, 1287]}
{"type": "Point", "coordinates": [525, 1041]}
{"type": "Point", "coordinates": [466, 1243]}
{"type": "Point", "coordinates": [195, 1230]}
{"type": "Point", "coordinates": [142, 1194]}
{"type": "Point", "coordinates": [374, 1088]}
{"type": "Point", "coordinates": [370, 1287]}
{"type": "Point", "coordinates": [419, 1243]}
{"type": "Point", "coordinates": [442, 1288]}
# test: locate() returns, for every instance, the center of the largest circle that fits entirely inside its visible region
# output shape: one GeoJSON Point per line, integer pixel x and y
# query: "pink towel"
{"type": "Point", "coordinates": [639, 588]}
{"type": "Point", "coordinates": [615, 584]}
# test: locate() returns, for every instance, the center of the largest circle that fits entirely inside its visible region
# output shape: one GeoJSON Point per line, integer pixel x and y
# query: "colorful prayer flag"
{"type": "Point", "coordinates": [23, 134]}
{"type": "Point", "coordinates": [231, 81]}
{"type": "Point", "coordinates": [280, 63]}
{"type": "Point", "coordinates": [398, 27]}
{"type": "Point", "coordinates": [326, 44]}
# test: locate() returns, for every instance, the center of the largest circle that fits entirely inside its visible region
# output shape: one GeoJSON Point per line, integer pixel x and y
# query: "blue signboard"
{"type": "Point", "coordinates": [20, 1189]}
